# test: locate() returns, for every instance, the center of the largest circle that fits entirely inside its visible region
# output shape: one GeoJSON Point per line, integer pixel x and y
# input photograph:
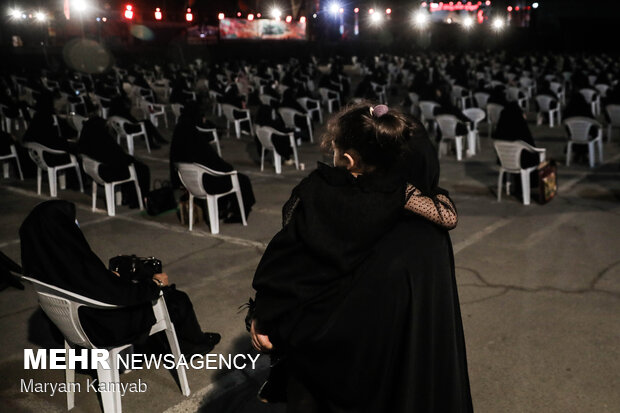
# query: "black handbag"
{"type": "Point", "coordinates": [160, 199]}
{"type": "Point", "coordinates": [135, 268]}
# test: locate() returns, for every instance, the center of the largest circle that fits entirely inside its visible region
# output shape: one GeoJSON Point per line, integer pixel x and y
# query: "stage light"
{"type": "Point", "coordinates": [509, 8]}
{"type": "Point", "coordinates": [128, 12]}
{"type": "Point", "coordinates": [371, 11]}
{"type": "Point", "coordinates": [158, 15]}
{"type": "Point", "coordinates": [516, 8]}
{"type": "Point", "coordinates": [376, 18]}
{"type": "Point", "coordinates": [356, 10]}
{"type": "Point", "coordinates": [276, 13]}
{"type": "Point", "coordinates": [238, 14]}
{"type": "Point", "coordinates": [220, 16]}
{"type": "Point", "coordinates": [468, 22]}
{"type": "Point", "coordinates": [314, 15]}
{"type": "Point", "coordinates": [535, 5]}
{"type": "Point", "coordinates": [488, 3]}
{"type": "Point", "coordinates": [333, 8]}
{"type": "Point", "coordinates": [258, 15]}
{"type": "Point", "coordinates": [98, 19]}
{"type": "Point", "coordinates": [80, 5]}
{"type": "Point", "coordinates": [15, 13]}
{"type": "Point", "coordinates": [302, 19]}
{"type": "Point", "coordinates": [449, 20]}
{"type": "Point", "coordinates": [189, 16]}
{"type": "Point", "coordinates": [388, 11]}
{"type": "Point", "coordinates": [498, 24]}
{"type": "Point", "coordinates": [341, 10]}
{"type": "Point", "coordinates": [420, 19]}
{"type": "Point", "coordinates": [250, 17]}
{"type": "Point", "coordinates": [40, 16]}
{"type": "Point", "coordinates": [105, 19]}
{"type": "Point", "coordinates": [289, 19]}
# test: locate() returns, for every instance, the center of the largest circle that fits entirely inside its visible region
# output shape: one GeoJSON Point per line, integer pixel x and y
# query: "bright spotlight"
{"type": "Point", "coordinates": [302, 19]}
{"type": "Point", "coordinates": [334, 8]}
{"type": "Point", "coordinates": [15, 13]}
{"type": "Point", "coordinates": [40, 16]}
{"type": "Point", "coordinates": [80, 5]}
{"type": "Point", "coordinates": [498, 23]}
{"type": "Point", "coordinates": [376, 18]}
{"type": "Point", "coordinates": [535, 5]}
{"type": "Point", "coordinates": [468, 22]}
{"type": "Point", "coordinates": [289, 19]}
{"type": "Point", "coordinates": [421, 19]}
{"type": "Point", "coordinates": [276, 13]}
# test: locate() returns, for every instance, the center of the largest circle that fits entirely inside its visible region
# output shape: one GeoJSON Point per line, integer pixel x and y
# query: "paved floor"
{"type": "Point", "coordinates": [539, 286]}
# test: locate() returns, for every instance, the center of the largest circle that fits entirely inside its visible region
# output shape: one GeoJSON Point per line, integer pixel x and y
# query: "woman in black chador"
{"type": "Point", "coordinates": [55, 251]}
{"type": "Point", "coordinates": [190, 145]}
{"type": "Point", "coordinates": [356, 297]}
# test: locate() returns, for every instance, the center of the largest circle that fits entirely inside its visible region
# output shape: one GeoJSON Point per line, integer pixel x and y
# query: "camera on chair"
{"type": "Point", "coordinates": [135, 268]}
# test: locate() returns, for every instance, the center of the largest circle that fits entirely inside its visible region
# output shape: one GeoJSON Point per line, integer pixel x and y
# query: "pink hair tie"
{"type": "Point", "coordinates": [379, 110]}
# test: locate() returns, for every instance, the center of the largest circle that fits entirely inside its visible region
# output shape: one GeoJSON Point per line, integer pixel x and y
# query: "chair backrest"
{"type": "Point", "coordinates": [91, 167]}
{"type": "Point", "coordinates": [77, 121]}
{"type": "Point", "coordinates": [481, 99]}
{"type": "Point", "coordinates": [414, 97]}
{"type": "Point", "coordinates": [228, 109]}
{"type": "Point", "coordinates": [474, 114]}
{"type": "Point", "coordinates": [579, 128]}
{"type": "Point", "coordinates": [117, 122]}
{"type": "Point", "coordinates": [602, 89]}
{"type": "Point", "coordinates": [191, 177]}
{"type": "Point", "coordinates": [509, 154]}
{"type": "Point", "coordinates": [512, 93]}
{"type": "Point", "coordinates": [588, 94]}
{"type": "Point", "coordinates": [447, 125]}
{"type": "Point", "coordinates": [428, 107]}
{"type": "Point", "coordinates": [544, 102]}
{"type": "Point", "coordinates": [61, 306]}
{"type": "Point", "coordinates": [494, 110]}
{"type": "Point", "coordinates": [263, 133]}
{"type": "Point", "coordinates": [614, 114]}
{"type": "Point", "coordinates": [176, 109]}
{"type": "Point", "coordinates": [556, 87]}
{"type": "Point", "coordinates": [325, 94]}
{"type": "Point", "coordinates": [304, 103]}
{"type": "Point", "coordinates": [288, 116]}
{"type": "Point", "coordinates": [36, 150]}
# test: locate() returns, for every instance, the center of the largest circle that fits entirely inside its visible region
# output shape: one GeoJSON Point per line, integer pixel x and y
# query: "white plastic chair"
{"type": "Point", "coordinates": [268, 100]}
{"type": "Point", "coordinates": [191, 177]}
{"type": "Point", "coordinates": [460, 95]}
{"type": "Point", "coordinates": [579, 133]}
{"type": "Point", "coordinates": [476, 115]}
{"type": "Point", "coordinates": [306, 103]}
{"type": "Point", "coordinates": [36, 151]}
{"type": "Point", "coordinates": [509, 153]}
{"type": "Point", "coordinates": [512, 95]}
{"type": "Point", "coordinates": [602, 89]}
{"type": "Point", "coordinates": [62, 307]}
{"type": "Point", "coordinates": [381, 91]}
{"type": "Point", "coordinates": [544, 106]}
{"type": "Point", "coordinates": [103, 110]}
{"type": "Point", "coordinates": [447, 125]}
{"type": "Point", "coordinates": [414, 109]}
{"type": "Point", "coordinates": [118, 124]}
{"type": "Point", "coordinates": [288, 115]}
{"type": "Point", "coordinates": [613, 111]}
{"type": "Point", "coordinates": [91, 167]}
{"type": "Point", "coordinates": [494, 110]}
{"type": "Point", "coordinates": [216, 139]}
{"type": "Point", "coordinates": [5, 165]}
{"type": "Point", "coordinates": [215, 98]}
{"type": "Point", "coordinates": [593, 98]}
{"type": "Point", "coordinates": [77, 122]}
{"type": "Point", "coordinates": [228, 111]}
{"type": "Point", "coordinates": [176, 111]}
{"type": "Point", "coordinates": [559, 92]}
{"type": "Point", "coordinates": [264, 135]}
{"type": "Point", "coordinates": [153, 111]}
{"type": "Point", "coordinates": [528, 85]}
{"type": "Point", "coordinates": [427, 116]}
{"type": "Point", "coordinates": [329, 97]}
{"type": "Point", "coordinates": [482, 98]}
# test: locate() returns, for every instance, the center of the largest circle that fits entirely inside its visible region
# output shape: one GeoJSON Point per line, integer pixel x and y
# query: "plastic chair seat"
{"type": "Point", "coordinates": [509, 154]}
{"type": "Point", "coordinates": [36, 151]}
{"type": "Point", "coordinates": [264, 135]}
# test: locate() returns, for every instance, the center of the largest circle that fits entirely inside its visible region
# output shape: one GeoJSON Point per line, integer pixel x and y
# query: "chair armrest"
{"type": "Point", "coordinates": [214, 172]}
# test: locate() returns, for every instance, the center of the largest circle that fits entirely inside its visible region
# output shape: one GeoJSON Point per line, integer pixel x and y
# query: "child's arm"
{"type": "Point", "coordinates": [439, 209]}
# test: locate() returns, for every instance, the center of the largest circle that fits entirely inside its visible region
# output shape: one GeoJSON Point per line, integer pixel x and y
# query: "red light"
{"type": "Point", "coordinates": [250, 17]}
{"type": "Point", "coordinates": [388, 11]}
{"type": "Point", "coordinates": [289, 19]}
{"type": "Point", "coordinates": [189, 16]}
{"type": "Point", "coordinates": [302, 19]}
{"type": "Point", "coordinates": [371, 11]}
{"type": "Point", "coordinates": [220, 16]}
{"type": "Point", "coordinates": [509, 8]}
{"type": "Point", "coordinates": [238, 14]}
{"type": "Point", "coordinates": [517, 8]}
{"type": "Point", "coordinates": [424, 4]}
{"type": "Point", "coordinates": [356, 10]}
{"type": "Point", "coordinates": [158, 15]}
{"type": "Point", "coordinates": [259, 15]}
{"type": "Point", "coordinates": [128, 12]}
{"type": "Point", "coordinates": [488, 2]}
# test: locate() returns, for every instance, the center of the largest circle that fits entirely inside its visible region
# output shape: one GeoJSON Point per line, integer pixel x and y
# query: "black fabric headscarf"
{"type": "Point", "coordinates": [512, 126]}
{"type": "Point", "coordinates": [55, 251]}
{"type": "Point", "coordinates": [96, 142]}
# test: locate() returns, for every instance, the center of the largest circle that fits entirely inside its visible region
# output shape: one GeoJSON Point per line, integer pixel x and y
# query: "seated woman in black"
{"type": "Point", "coordinates": [267, 116]}
{"type": "Point", "coordinates": [192, 146]}
{"type": "Point", "coordinates": [55, 251]}
{"type": "Point", "coordinates": [119, 106]}
{"type": "Point", "coordinates": [512, 126]}
{"type": "Point", "coordinates": [96, 143]}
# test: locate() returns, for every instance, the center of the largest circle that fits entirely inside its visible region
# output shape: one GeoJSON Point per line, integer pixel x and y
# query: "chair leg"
{"type": "Point", "coordinates": [569, 153]}
{"type": "Point", "coordinates": [262, 159]}
{"type": "Point", "coordinates": [130, 145]}
{"type": "Point", "coordinates": [600, 150]}
{"type": "Point", "coordinates": [19, 166]}
{"type": "Point", "coordinates": [238, 129]}
{"type": "Point", "coordinates": [591, 154]}
{"type": "Point", "coordinates": [525, 186]}
{"type": "Point", "coordinates": [237, 187]}
{"type": "Point", "coordinates": [214, 219]}
{"type": "Point", "coordinates": [459, 148]}
{"type": "Point", "coordinates": [94, 195]}
{"type": "Point", "coordinates": [176, 352]}
{"type": "Point", "coordinates": [277, 162]}
{"type": "Point", "coordinates": [111, 400]}
{"type": "Point", "coordinates": [500, 181]}
{"type": "Point", "coordinates": [38, 181]}
{"type": "Point", "coordinates": [69, 380]}
{"type": "Point", "coordinates": [109, 199]}
{"type": "Point", "coordinates": [51, 178]}
{"type": "Point", "coordinates": [190, 207]}
{"type": "Point", "coordinates": [79, 176]}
